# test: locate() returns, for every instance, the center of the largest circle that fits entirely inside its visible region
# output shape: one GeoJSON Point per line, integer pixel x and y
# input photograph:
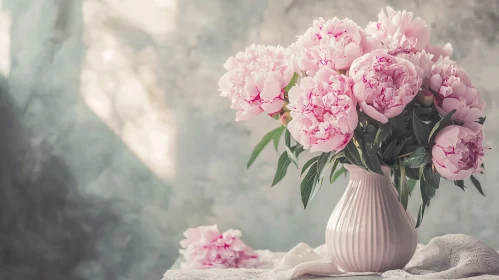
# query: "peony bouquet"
{"type": "Point", "coordinates": [380, 95]}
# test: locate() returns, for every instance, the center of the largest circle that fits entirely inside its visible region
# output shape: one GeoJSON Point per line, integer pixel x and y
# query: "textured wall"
{"type": "Point", "coordinates": [114, 139]}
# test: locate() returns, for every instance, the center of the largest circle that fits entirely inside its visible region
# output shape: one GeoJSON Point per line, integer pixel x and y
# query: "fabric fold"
{"type": "Point", "coordinates": [453, 256]}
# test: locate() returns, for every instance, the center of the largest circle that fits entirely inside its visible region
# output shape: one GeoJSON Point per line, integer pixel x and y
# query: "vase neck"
{"type": "Point", "coordinates": [360, 174]}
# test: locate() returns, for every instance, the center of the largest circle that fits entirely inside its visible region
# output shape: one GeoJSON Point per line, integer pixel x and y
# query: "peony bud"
{"type": "Point", "coordinates": [285, 118]}
{"type": "Point", "coordinates": [426, 98]}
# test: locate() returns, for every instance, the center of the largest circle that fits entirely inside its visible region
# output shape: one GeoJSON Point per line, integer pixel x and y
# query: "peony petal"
{"type": "Point", "coordinates": [324, 74]}
{"type": "Point", "coordinates": [359, 91]}
{"type": "Point", "coordinates": [294, 93]}
{"type": "Point", "coordinates": [435, 82]}
{"type": "Point", "coordinates": [444, 172]}
{"type": "Point", "coordinates": [438, 154]}
{"type": "Point", "coordinates": [373, 113]}
{"type": "Point", "coordinates": [273, 107]}
{"type": "Point", "coordinates": [247, 114]}
{"type": "Point", "coordinates": [463, 174]}
{"type": "Point", "coordinates": [449, 104]}
{"type": "Point", "coordinates": [395, 111]}
{"type": "Point", "coordinates": [448, 137]}
{"type": "Point", "coordinates": [271, 89]}
{"type": "Point", "coordinates": [475, 127]}
{"type": "Point", "coordinates": [473, 115]}
{"type": "Point", "coordinates": [329, 145]}
{"type": "Point", "coordinates": [307, 83]}
{"type": "Point", "coordinates": [353, 118]}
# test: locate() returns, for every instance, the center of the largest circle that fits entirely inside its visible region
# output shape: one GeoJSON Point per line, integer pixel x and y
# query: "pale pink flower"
{"type": "Point", "coordinates": [458, 151]}
{"type": "Point", "coordinates": [414, 30]}
{"type": "Point", "coordinates": [398, 44]}
{"type": "Point", "coordinates": [323, 111]}
{"type": "Point", "coordinates": [453, 90]}
{"type": "Point", "coordinates": [422, 61]}
{"type": "Point", "coordinates": [333, 44]}
{"type": "Point", "coordinates": [205, 247]}
{"type": "Point", "coordinates": [255, 80]}
{"type": "Point", "coordinates": [383, 84]}
{"type": "Point", "coordinates": [440, 52]}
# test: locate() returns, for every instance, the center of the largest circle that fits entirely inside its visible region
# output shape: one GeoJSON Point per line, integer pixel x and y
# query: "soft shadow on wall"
{"type": "Point", "coordinates": [45, 227]}
{"type": "Point", "coordinates": [54, 149]}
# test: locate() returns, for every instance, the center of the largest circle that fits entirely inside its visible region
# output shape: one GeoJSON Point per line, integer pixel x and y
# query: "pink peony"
{"type": "Point", "coordinates": [422, 61]}
{"type": "Point", "coordinates": [458, 151]}
{"type": "Point", "coordinates": [454, 90]}
{"type": "Point", "coordinates": [440, 52]}
{"type": "Point", "coordinates": [400, 27]}
{"type": "Point", "coordinates": [383, 84]}
{"type": "Point", "coordinates": [255, 80]}
{"type": "Point", "coordinates": [205, 247]}
{"type": "Point", "coordinates": [333, 44]}
{"type": "Point", "coordinates": [323, 111]}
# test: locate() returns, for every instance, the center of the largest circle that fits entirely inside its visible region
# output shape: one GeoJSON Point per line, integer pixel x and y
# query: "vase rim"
{"type": "Point", "coordinates": [355, 168]}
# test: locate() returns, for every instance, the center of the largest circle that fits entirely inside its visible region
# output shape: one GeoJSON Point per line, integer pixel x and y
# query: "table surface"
{"type": "Point", "coordinates": [176, 265]}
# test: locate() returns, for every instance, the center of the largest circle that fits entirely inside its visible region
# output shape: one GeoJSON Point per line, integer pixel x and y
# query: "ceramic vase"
{"type": "Point", "coordinates": [369, 230]}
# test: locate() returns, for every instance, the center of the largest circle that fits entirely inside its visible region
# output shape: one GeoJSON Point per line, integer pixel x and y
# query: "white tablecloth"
{"type": "Point", "coordinates": [453, 256]}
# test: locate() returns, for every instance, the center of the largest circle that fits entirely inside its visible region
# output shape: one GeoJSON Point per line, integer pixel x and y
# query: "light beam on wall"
{"type": "Point", "coordinates": [118, 80]}
{"type": "Point", "coordinates": [5, 23]}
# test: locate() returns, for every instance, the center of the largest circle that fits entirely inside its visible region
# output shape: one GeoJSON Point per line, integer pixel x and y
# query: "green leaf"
{"type": "Point", "coordinates": [440, 125]}
{"type": "Point", "coordinates": [418, 158]}
{"type": "Point", "coordinates": [277, 137]}
{"type": "Point", "coordinates": [404, 188]}
{"type": "Point", "coordinates": [265, 140]}
{"type": "Point", "coordinates": [282, 168]}
{"type": "Point", "coordinates": [389, 152]}
{"type": "Point", "coordinates": [322, 162]}
{"type": "Point", "coordinates": [426, 114]}
{"type": "Point", "coordinates": [370, 158]}
{"type": "Point", "coordinates": [338, 173]}
{"type": "Point", "coordinates": [410, 148]}
{"type": "Point", "coordinates": [308, 163]}
{"type": "Point", "coordinates": [352, 154]}
{"type": "Point", "coordinates": [411, 183]}
{"type": "Point", "coordinates": [287, 138]}
{"type": "Point", "coordinates": [276, 116]}
{"type": "Point", "coordinates": [308, 186]}
{"type": "Point", "coordinates": [298, 149]}
{"type": "Point", "coordinates": [381, 135]}
{"type": "Point", "coordinates": [392, 150]}
{"type": "Point", "coordinates": [291, 154]}
{"type": "Point", "coordinates": [284, 162]}
{"type": "Point", "coordinates": [460, 184]}
{"type": "Point", "coordinates": [481, 120]}
{"type": "Point", "coordinates": [398, 122]}
{"type": "Point", "coordinates": [333, 169]}
{"type": "Point", "coordinates": [412, 173]}
{"type": "Point", "coordinates": [477, 184]}
{"type": "Point", "coordinates": [323, 159]}
{"type": "Point", "coordinates": [429, 181]}
{"type": "Point", "coordinates": [370, 134]}
{"type": "Point", "coordinates": [421, 129]}
{"type": "Point", "coordinates": [292, 83]}
{"type": "Point", "coordinates": [292, 157]}
{"type": "Point", "coordinates": [396, 179]}
{"type": "Point", "coordinates": [420, 215]}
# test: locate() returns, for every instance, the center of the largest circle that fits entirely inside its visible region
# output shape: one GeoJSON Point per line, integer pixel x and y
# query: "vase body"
{"type": "Point", "coordinates": [369, 230]}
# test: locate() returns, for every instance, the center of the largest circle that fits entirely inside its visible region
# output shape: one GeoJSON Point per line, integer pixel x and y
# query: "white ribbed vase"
{"type": "Point", "coordinates": [369, 230]}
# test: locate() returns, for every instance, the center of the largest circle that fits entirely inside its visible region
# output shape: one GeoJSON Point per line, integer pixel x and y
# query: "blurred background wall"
{"type": "Point", "coordinates": [114, 139]}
